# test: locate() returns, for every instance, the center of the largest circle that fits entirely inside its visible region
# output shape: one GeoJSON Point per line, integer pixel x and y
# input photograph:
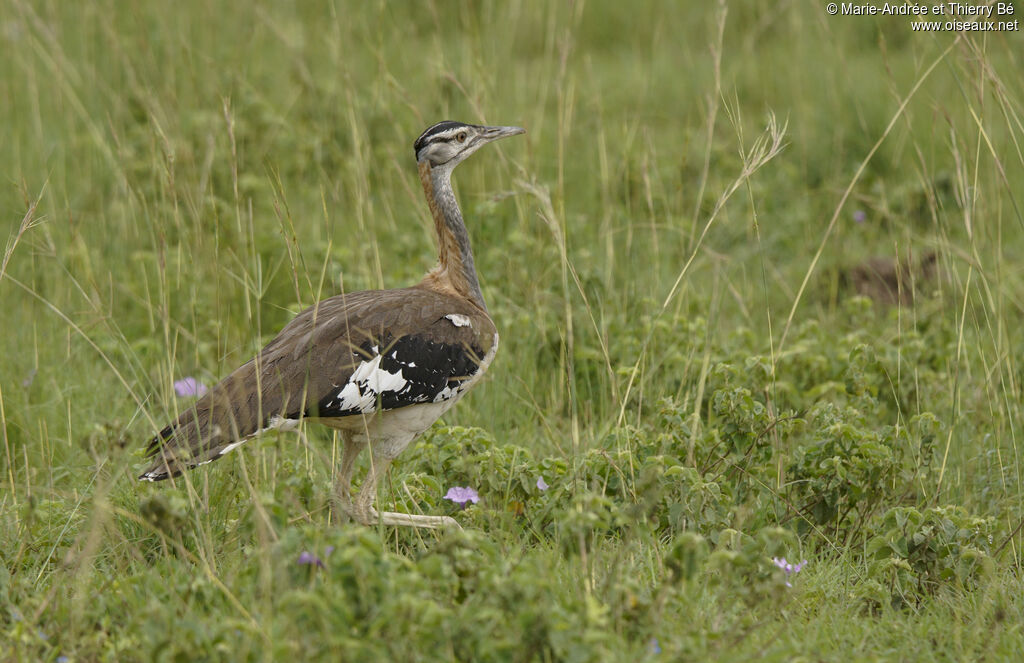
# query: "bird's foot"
{"type": "Point", "coordinates": [410, 520]}
{"type": "Point", "coordinates": [368, 516]}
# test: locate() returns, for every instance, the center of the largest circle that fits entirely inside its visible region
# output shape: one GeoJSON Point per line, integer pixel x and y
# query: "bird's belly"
{"type": "Point", "coordinates": [413, 419]}
{"type": "Point", "coordinates": [409, 420]}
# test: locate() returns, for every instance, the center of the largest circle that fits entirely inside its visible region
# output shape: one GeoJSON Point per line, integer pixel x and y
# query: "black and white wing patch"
{"type": "Point", "coordinates": [405, 371]}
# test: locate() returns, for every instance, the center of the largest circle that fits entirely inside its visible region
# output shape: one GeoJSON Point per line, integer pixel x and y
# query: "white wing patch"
{"type": "Point", "coordinates": [376, 378]}
{"type": "Point", "coordinates": [366, 383]}
{"type": "Point", "coordinates": [350, 398]}
{"type": "Point", "coordinates": [459, 320]}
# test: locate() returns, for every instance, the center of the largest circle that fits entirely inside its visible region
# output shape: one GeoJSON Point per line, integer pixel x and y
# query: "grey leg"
{"type": "Point", "coordinates": [364, 513]}
{"type": "Point", "coordinates": [343, 482]}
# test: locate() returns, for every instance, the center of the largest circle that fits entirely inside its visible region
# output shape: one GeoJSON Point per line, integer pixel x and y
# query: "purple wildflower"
{"type": "Point", "coordinates": [859, 216]}
{"type": "Point", "coordinates": [62, 659]}
{"type": "Point", "coordinates": [462, 496]}
{"type": "Point", "coordinates": [542, 484]}
{"type": "Point", "coordinates": [189, 387]}
{"type": "Point", "coordinates": [306, 557]}
{"type": "Point", "coordinates": [789, 568]}
{"type": "Point", "coordinates": [27, 382]}
{"type": "Point", "coordinates": [654, 646]}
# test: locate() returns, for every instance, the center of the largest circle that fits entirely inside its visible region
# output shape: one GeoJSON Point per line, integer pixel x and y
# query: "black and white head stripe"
{"type": "Point", "coordinates": [445, 130]}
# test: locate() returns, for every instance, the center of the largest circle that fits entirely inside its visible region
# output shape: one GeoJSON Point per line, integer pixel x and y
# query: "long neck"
{"type": "Point", "coordinates": [455, 269]}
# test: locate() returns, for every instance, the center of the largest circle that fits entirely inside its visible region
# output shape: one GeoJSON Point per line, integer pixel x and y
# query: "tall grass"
{"type": "Point", "coordinates": [697, 191]}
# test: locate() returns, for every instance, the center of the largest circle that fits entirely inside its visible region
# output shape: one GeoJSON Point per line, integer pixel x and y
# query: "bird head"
{"type": "Point", "coordinates": [448, 143]}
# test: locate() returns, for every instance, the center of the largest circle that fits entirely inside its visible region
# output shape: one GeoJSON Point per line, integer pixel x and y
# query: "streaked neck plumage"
{"type": "Point", "coordinates": [455, 269]}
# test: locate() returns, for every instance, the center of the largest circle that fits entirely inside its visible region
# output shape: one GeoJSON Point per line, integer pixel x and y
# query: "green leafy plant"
{"type": "Point", "coordinates": [919, 551]}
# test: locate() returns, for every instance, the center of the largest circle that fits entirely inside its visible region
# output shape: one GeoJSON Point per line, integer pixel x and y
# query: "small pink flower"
{"type": "Point", "coordinates": [306, 557]}
{"type": "Point", "coordinates": [789, 568]}
{"type": "Point", "coordinates": [462, 496]}
{"type": "Point", "coordinates": [189, 387]}
{"type": "Point", "coordinates": [542, 484]}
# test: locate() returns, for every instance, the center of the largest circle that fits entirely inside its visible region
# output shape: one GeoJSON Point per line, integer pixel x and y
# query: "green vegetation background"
{"type": "Point", "coordinates": [756, 271]}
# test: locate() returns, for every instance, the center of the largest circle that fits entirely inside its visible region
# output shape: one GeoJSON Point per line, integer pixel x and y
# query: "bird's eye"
{"type": "Point", "coordinates": [461, 137]}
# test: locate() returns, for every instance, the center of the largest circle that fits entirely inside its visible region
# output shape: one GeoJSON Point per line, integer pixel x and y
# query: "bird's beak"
{"type": "Point", "coordinates": [494, 133]}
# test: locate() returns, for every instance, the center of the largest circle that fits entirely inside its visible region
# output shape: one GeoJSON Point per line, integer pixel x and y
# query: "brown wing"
{"type": "Point", "coordinates": [346, 356]}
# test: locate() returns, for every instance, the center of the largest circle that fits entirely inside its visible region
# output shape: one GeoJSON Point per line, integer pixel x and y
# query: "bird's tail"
{"type": "Point", "coordinates": [228, 414]}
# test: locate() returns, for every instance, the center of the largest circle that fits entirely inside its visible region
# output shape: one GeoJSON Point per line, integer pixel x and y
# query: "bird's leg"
{"type": "Point", "coordinates": [342, 500]}
{"type": "Point", "coordinates": [362, 510]}
{"type": "Point", "coordinates": [364, 513]}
